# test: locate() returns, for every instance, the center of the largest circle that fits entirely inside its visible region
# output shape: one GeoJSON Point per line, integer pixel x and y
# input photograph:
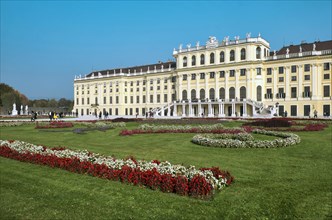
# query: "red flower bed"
{"type": "Point", "coordinates": [197, 186]}
{"type": "Point", "coordinates": [193, 130]}
{"type": "Point", "coordinates": [55, 124]}
{"type": "Point", "coordinates": [274, 122]}
{"type": "Point", "coordinates": [308, 127]}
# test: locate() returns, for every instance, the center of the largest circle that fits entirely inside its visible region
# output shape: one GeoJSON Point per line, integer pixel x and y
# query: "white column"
{"type": "Point", "coordinates": [253, 110]}
{"type": "Point", "coordinates": [210, 114]}
{"type": "Point", "coordinates": [175, 109]}
{"type": "Point", "coordinates": [190, 109]}
{"type": "Point", "coordinates": [168, 110]}
{"type": "Point", "coordinates": [183, 109]}
{"type": "Point", "coordinates": [197, 86]}
{"type": "Point", "coordinates": [180, 88]}
{"type": "Point", "coordinates": [287, 83]}
{"type": "Point", "coordinates": [162, 111]}
{"type": "Point", "coordinates": [199, 108]}
{"type": "Point", "coordinates": [244, 108]}
{"type": "Point", "coordinates": [219, 108]}
{"type": "Point", "coordinates": [237, 89]}
{"type": "Point", "coordinates": [314, 82]}
{"type": "Point", "coordinates": [226, 86]}
{"type": "Point", "coordinates": [222, 105]}
{"type": "Point", "coordinates": [216, 92]}
{"type": "Point", "coordinates": [300, 83]}
{"type": "Point", "coordinates": [233, 108]}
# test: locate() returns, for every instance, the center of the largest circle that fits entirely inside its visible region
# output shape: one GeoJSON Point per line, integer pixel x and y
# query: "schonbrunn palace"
{"type": "Point", "coordinates": [227, 78]}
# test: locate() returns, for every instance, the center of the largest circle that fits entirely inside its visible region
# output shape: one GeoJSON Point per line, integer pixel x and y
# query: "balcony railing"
{"type": "Point", "coordinates": [303, 54]}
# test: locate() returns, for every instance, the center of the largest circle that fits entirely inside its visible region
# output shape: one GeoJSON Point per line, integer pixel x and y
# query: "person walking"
{"type": "Point", "coordinates": [315, 113]}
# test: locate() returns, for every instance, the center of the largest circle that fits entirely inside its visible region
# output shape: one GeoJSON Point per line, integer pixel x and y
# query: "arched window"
{"type": "Point", "coordinates": [193, 94]}
{"type": "Point", "coordinates": [184, 95]}
{"type": "Point", "coordinates": [222, 57]}
{"type": "Point", "coordinates": [184, 61]}
{"type": "Point", "coordinates": [243, 93]}
{"type": "Point", "coordinates": [231, 93]}
{"type": "Point", "coordinates": [96, 100]}
{"type": "Point", "coordinates": [202, 59]}
{"type": "Point", "coordinates": [258, 53]}
{"type": "Point", "coordinates": [211, 58]}
{"type": "Point", "coordinates": [222, 93]}
{"type": "Point", "coordinates": [211, 94]}
{"type": "Point", "coordinates": [232, 55]}
{"type": "Point", "coordinates": [259, 93]}
{"type": "Point", "coordinates": [202, 94]}
{"type": "Point", "coordinates": [243, 54]}
{"type": "Point", "coordinates": [193, 60]}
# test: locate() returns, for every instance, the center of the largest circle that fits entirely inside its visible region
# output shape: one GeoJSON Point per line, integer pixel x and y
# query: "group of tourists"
{"type": "Point", "coordinates": [54, 116]}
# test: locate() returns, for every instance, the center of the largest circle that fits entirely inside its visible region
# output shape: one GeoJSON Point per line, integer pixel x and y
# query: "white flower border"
{"type": "Point", "coordinates": [245, 140]}
{"type": "Point", "coordinates": [113, 163]}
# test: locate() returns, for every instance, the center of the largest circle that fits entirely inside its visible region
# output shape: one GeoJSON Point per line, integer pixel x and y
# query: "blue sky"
{"type": "Point", "coordinates": [44, 44]}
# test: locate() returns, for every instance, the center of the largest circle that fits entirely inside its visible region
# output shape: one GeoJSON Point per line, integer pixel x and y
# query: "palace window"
{"type": "Point", "coordinates": [258, 53]}
{"type": "Point", "coordinates": [165, 87]}
{"type": "Point", "coordinates": [212, 94]}
{"type": "Point", "coordinates": [165, 97]}
{"type": "Point", "coordinates": [222, 56]}
{"type": "Point", "coordinates": [306, 77]}
{"type": "Point", "coordinates": [202, 94]}
{"type": "Point", "coordinates": [326, 66]}
{"type": "Point", "coordinates": [131, 99]}
{"type": "Point", "coordinates": [269, 80]}
{"type": "Point", "coordinates": [259, 71]}
{"type": "Point", "coordinates": [137, 99]}
{"type": "Point", "coordinates": [151, 98]}
{"type": "Point", "coordinates": [104, 100]}
{"type": "Point", "coordinates": [193, 76]}
{"type": "Point", "coordinates": [144, 99]}
{"type": "Point", "coordinates": [117, 99]}
{"type": "Point", "coordinates": [193, 60]}
{"type": "Point", "coordinates": [293, 110]}
{"type": "Point", "coordinates": [242, 72]}
{"type": "Point", "coordinates": [111, 100]}
{"type": "Point", "coordinates": [202, 75]}
{"type": "Point", "coordinates": [137, 89]}
{"type": "Point", "coordinates": [211, 75]}
{"type": "Point", "coordinates": [259, 93]}
{"type": "Point", "coordinates": [231, 93]}
{"type": "Point", "coordinates": [82, 101]}
{"type": "Point", "coordinates": [326, 91]}
{"type": "Point", "coordinates": [165, 80]}
{"type": "Point", "coordinates": [173, 79]}
{"type": "Point", "coordinates": [151, 87]}
{"type": "Point", "coordinates": [269, 71]}
{"type": "Point", "coordinates": [158, 87]}
{"type": "Point", "coordinates": [184, 95]}
{"type": "Point", "coordinates": [137, 83]}
{"type": "Point", "coordinates": [131, 83]}
{"type": "Point", "coordinates": [193, 94]}
{"type": "Point", "coordinates": [294, 78]}
{"type": "Point", "coordinates": [281, 93]}
{"type": "Point", "coordinates": [232, 73]}
{"type": "Point", "coordinates": [243, 93]}
{"type": "Point", "coordinates": [184, 78]}
{"type": "Point", "coordinates": [222, 93]}
{"type": "Point", "coordinates": [243, 54]}
{"type": "Point", "coordinates": [202, 59]}
{"type": "Point", "coordinates": [232, 55]}
{"type": "Point", "coordinates": [126, 99]}
{"type": "Point", "coordinates": [104, 90]}
{"type": "Point", "coordinates": [184, 61]}
{"type": "Point", "coordinates": [211, 58]}
{"type": "Point", "coordinates": [281, 70]}
{"type": "Point", "coordinates": [268, 94]}
{"type": "Point", "coordinates": [327, 76]}
{"type": "Point", "coordinates": [96, 101]}
{"type": "Point", "coordinates": [306, 67]}
{"type": "Point", "coordinates": [88, 101]}
{"type": "Point", "coordinates": [158, 98]}
{"type": "Point", "coordinates": [293, 92]}
{"type": "Point", "coordinates": [293, 69]}
{"type": "Point", "coordinates": [222, 74]}
{"type": "Point", "coordinates": [307, 92]}
{"type": "Point", "coordinates": [281, 79]}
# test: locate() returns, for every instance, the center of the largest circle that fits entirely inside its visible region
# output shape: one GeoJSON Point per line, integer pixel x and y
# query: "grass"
{"type": "Point", "coordinates": [285, 183]}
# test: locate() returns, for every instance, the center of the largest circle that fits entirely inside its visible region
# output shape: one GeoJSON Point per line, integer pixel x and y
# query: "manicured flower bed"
{"type": "Point", "coordinates": [154, 174]}
{"type": "Point", "coordinates": [151, 129]}
{"type": "Point", "coordinates": [245, 140]}
{"type": "Point", "coordinates": [54, 124]}
{"type": "Point", "coordinates": [192, 121]}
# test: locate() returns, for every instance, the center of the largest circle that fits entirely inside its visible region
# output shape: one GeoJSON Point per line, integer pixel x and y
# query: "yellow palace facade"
{"type": "Point", "coordinates": [227, 78]}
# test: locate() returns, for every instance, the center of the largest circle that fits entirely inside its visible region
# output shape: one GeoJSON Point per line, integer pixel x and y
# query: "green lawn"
{"type": "Point", "coordinates": [285, 183]}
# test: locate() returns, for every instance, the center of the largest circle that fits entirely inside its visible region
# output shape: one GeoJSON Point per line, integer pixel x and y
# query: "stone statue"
{"type": "Point", "coordinates": [287, 51]}
{"type": "Point", "coordinates": [227, 38]}
{"type": "Point", "coordinates": [259, 34]}
{"type": "Point", "coordinates": [14, 111]}
{"type": "Point", "coordinates": [274, 53]}
{"type": "Point", "coordinates": [313, 47]}
{"type": "Point", "coordinates": [197, 44]}
{"type": "Point", "coordinates": [300, 49]}
{"type": "Point", "coordinates": [188, 46]}
{"type": "Point", "coordinates": [180, 47]}
{"type": "Point", "coordinates": [248, 35]}
{"type": "Point", "coordinates": [26, 109]}
{"type": "Point", "coordinates": [21, 112]}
